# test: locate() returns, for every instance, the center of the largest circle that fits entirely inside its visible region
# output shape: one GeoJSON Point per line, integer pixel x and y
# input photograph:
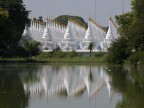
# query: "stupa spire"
{"type": "Point", "coordinates": [89, 35]}
{"type": "Point", "coordinates": [26, 32]}
{"type": "Point", "coordinates": [68, 33]}
{"type": "Point", "coordinates": [109, 35]}
{"type": "Point", "coordinates": [47, 34]}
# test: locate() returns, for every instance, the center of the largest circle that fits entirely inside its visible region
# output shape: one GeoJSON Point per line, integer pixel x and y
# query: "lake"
{"type": "Point", "coordinates": [70, 86]}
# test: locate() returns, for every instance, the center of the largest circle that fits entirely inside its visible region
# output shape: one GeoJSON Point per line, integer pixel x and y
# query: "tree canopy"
{"type": "Point", "coordinates": [131, 28]}
{"type": "Point", "coordinates": [64, 19]}
{"type": "Point", "coordinates": [13, 17]}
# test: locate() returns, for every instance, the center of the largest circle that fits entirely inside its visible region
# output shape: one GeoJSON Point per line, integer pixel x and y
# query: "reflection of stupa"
{"type": "Point", "coordinates": [73, 37]}
{"type": "Point", "coordinates": [71, 81]}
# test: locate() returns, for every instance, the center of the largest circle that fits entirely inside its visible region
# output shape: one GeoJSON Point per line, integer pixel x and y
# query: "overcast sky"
{"type": "Point", "coordinates": [83, 8]}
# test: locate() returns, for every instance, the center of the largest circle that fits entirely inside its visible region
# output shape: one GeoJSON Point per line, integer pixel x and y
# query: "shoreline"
{"type": "Point", "coordinates": [56, 60]}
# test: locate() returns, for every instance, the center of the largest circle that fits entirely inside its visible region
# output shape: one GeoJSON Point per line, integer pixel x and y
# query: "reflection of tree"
{"type": "Point", "coordinates": [12, 94]}
{"type": "Point", "coordinates": [11, 91]}
{"type": "Point", "coordinates": [131, 84]}
{"type": "Point", "coordinates": [90, 75]}
{"type": "Point", "coordinates": [29, 72]}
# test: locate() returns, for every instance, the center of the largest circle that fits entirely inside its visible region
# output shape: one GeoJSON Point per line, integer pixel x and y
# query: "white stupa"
{"type": "Point", "coordinates": [49, 43]}
{"type": "Point", "coordinates": [89, 35]}
{"type": "Point", "coordinates": [68, 42]}
{"type": "Point", "coordinates": [26, 32]}
{"type": "Point", "coordinates": [73, 37]}
{"type": "Point", "coordinates": [47, 34]}
{"type": "Point", "coordinates": [68, 36]}
{"type": "Point", "coordinates": [110, 36]}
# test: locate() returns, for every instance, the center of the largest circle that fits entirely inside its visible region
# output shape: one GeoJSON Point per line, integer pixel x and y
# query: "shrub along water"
{"type": "Point", "coordinates": [71, 57]}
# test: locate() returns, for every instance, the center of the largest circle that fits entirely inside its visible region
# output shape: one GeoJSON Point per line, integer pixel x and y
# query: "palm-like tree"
{"type": "Point", "coordinates": [31, 46]}
{"type": "Point", "coordinates": [90, 47]}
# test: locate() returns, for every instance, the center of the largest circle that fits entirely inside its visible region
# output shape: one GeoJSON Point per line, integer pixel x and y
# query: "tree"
{"type": "Point", "coordinates": [31, 46]}
{"type": "Point", "coordinates": [131, 28]}
{"type": "Point", "coordinates": [138, 8]}
{"type": "Point", "coordinates": [125, 22]}
{"type": "Point", "coordinates": [13, 17]}
{"type": "Point", "coordinates": [40, 19]}
{"type": "Point", "coordinates": [90, 47]}
{"type": "Point", "coordinates": [64, 19]}
{"type": "Point", "coordinates": [117, 53]}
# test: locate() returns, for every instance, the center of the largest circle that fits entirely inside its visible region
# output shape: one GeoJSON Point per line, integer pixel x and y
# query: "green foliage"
{"type": "Point", "coordinates": [64, 20]}
{"type": "Point", "coordinates": [30, 46]}
{"type": "Point", "coordinates": [72, 54]}
{"type": "Point", "coordinates": [3, 12]}
{"type": "Point", "coordinates": [40, 19]}
{"type": "Point", "coordinates": [13, 17]}
{"type": "Point", "coordinates": [130, 83]}
{"type": "Point", "coordinates": [58, 54]}
{"type": "Point", "coordinates": [136, 35]}
{"type": "Point", "coordinates": [131, 28]}
{"type": "Point", "coordinates": [137, 58]}
{"type": "Point", "coordinates": [68, 57]}
{"type": "Point", "coordinates": [117, 53]}
{"type": "Point", "coordinates": [138, 8]}
{"type": "Point", "coordinates": [99, 54]}
{"type": "Point", "coordinates": [125, 22]}
{"type": "Point", "coordinates": [90, 47]}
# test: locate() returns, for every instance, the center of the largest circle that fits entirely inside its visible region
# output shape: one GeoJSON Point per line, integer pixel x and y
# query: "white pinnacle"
{"type": "Point", "coordinates": [26, 32]}
{"type": "Point", "coordinates": [109, 35]}
{"type": "Point", "coordinates": [89, 35]}
{"type": "Point", "coordinates": [68, 34]}
{"type": "Point", "coordinates": [47, 35]}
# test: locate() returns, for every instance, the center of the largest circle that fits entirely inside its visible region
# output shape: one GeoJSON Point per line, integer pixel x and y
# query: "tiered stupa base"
{"type": "Point", "coordinates": [68, 45]}
{"type": "Point", "coordinates": [49, 45]}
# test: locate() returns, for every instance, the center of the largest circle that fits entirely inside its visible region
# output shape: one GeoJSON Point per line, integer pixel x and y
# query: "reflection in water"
{"type": "Point", "coordinates": [20, 84]}
{"type": "Point", "coordinates": [69, 81]}
{"type": "Point", "coordinates": [130, 83]}
{"type": "Point", "coordinates": [12, 94]}
{"type": "Point", "coordinates": [34, 85]}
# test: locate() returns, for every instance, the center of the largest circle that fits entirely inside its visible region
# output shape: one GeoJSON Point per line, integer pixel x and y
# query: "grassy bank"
{"type": "Point", "coordinates": [59, 57]}
{"type": "Point", "coordinates": [54, 60]}
{"type": "Point", "coordinates": [74, 60]}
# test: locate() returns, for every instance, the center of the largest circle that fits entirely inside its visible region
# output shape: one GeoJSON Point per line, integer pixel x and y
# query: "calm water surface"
{"type": "Point", "coordinates": [70, 86]}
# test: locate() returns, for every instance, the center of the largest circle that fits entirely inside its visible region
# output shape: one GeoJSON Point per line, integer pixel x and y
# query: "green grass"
{"type": "Point", "coordinates": [59, 57]}
{"type": "Point", "coordinates": [73, 60]}
{"type": "Point", "coordinates": [55, 60]}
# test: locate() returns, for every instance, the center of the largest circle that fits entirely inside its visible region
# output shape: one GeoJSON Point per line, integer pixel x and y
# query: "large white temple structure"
{"type": "Point", "coordinates": [72, 37]}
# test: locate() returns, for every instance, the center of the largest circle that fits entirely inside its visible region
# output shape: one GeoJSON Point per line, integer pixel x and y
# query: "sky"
{"type": "Point", "coordinates": [84, 8]}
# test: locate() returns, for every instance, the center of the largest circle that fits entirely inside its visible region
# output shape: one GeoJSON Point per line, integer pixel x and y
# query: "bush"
{"type": "Point", "coordinates": [58, 54]}
{"type": "Point", "coordinates": [43, 55]}
{"type": "Point", "coordinates": [99, 54]}
{"type": "Point", "coordinates": [137, 58]}
{"type": "Point", "coordinates": [30, 46]}
{"type": "Point", "coordinates": [71, 54]}
{"type": "Point", "coordinates": [118, 52]}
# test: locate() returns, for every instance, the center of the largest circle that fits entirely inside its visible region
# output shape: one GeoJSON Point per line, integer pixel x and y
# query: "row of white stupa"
{"type": "Point", "coordinates": [73, 37]}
